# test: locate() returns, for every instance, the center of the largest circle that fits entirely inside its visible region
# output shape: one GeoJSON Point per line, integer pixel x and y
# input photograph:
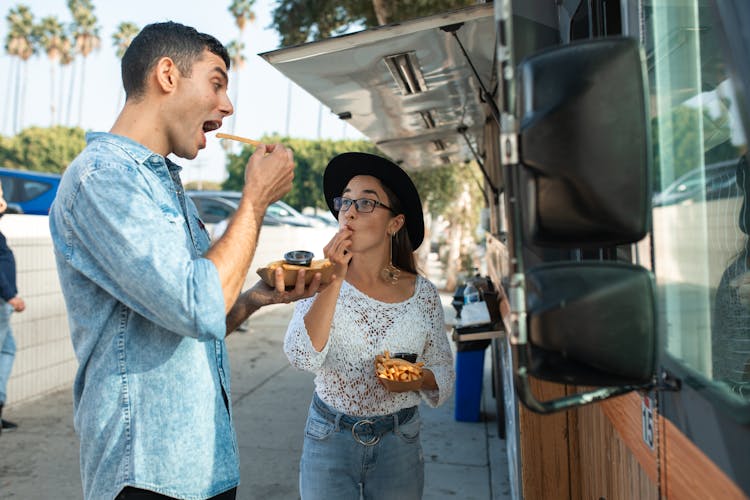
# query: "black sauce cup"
{"type": "Point", "coordinates": [411, 357]}
{"type": "Point", "coordinates": [299, 257]}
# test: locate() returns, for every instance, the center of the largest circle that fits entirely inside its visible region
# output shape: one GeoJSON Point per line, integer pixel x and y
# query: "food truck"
{"type": "Point", "coordinates": [611, 135]}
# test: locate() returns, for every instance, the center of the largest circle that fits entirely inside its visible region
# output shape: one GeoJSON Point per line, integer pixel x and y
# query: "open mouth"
{"type": "Point", "coordinates": [210, 126]}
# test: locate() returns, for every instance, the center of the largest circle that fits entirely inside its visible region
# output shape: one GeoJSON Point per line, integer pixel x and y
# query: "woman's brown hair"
{"type": "Point", "coordinates": [403, 252]}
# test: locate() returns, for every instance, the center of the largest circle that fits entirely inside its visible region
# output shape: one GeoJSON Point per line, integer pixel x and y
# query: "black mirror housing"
{"type": "Point", "coordinates": [585, 145]}
{"type": "Point", "coordinates": [592, 323]}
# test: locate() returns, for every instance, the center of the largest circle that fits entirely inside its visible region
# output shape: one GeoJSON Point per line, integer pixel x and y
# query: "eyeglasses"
{"type": "Point", "coordinates": [363, 205]}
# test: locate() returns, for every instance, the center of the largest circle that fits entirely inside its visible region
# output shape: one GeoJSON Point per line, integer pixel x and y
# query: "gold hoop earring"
{"type": "Point", "coordinates": [390, 273]}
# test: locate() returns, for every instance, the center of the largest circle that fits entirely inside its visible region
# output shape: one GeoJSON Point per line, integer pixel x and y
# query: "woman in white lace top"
{"type": "Point", "coordinates": [361, 438]}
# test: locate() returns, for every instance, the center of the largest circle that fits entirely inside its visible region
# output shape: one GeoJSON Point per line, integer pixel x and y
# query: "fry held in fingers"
{"type": "Point", "coordinates": [237, 138]}
{"type": "Point", "coordinates": [269, 175]}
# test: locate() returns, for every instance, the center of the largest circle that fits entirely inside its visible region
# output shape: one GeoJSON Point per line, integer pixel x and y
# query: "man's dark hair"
{"type": "Point", "coordinates": [183, 44]}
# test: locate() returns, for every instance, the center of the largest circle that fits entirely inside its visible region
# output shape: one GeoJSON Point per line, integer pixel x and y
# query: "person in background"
{"type": "Point", "coordinates": [10, 303]}
{"type": "Point", "coordinates": [362, 437]}
{"type": "Point", "coordinates": [149, 303]}
{"type": "Point", "coordinates": [730, 340]}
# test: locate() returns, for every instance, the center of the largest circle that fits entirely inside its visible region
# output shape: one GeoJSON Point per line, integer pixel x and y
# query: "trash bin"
{"type": "Point", "coordinates": [469, 374]}
{"type": "Point", "coordinates": [478, 318]}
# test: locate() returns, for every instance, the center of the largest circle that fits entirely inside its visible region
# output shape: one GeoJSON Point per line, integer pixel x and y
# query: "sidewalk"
{"type": "Point", "coordinates": [465, 461]}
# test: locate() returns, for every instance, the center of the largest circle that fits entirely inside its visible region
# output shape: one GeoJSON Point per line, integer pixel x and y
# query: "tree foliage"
{"type": "Point", "coordinates": [310, 157]}
{"type": "Point", "coordinates": [299, 21]}
{"type": "Point", "coordinates": [19, 41]}
{"type": "Point", "coordinates": [48, 34]}
{"type": "Point", "coordinates": [42, 149]}
{"type": "Point", "coordinates": [695, 137]}
{"type": "Point", "coordinates": [438, 187]}
{"type": "Point", "coordinates": [85, 28]}
{"type": "Point", "coordinates": [124, 35]}
{"type": "Point", "coordinates": [242, 12]}
{"type": "Point", "coordinates": [442, 186]}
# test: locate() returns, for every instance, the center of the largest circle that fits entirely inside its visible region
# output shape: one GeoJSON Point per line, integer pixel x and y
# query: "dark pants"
{"type": "Point", "coordinates": [129, 493]}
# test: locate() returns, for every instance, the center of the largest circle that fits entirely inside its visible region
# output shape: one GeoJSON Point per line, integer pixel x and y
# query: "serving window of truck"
{"type": "Point", "coordinates": [612, 139]}
{"type": "Point", "coordinates": [700, 240]}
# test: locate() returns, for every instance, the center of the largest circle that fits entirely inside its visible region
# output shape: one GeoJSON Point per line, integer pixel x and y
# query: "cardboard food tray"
{"type": "Point", "coordinates": [323, 266]}
{"type": "Point", "coordinates": [412, 385]}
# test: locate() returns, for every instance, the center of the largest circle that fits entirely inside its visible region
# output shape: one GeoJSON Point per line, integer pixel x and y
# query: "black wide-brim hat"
{"type": "Point", "coordinates": [343, 167]}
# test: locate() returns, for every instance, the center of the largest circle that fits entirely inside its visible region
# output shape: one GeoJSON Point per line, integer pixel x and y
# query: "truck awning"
{"type": "Point", "coordinates": [408, 87]}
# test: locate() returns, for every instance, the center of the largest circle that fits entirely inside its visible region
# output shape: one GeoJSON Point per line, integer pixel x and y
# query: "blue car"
{"type": "Point", "coordinates": [29, 192]}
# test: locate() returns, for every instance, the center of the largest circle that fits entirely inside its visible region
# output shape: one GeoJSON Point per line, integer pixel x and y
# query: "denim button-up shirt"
{"type": "Point", "coordinates": [147, 321]}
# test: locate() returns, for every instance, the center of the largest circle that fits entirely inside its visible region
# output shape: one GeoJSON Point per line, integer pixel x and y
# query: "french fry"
{"type": "Point", "coordinates": [397, 369]}
{"type": "Point", "coordinates": [237, 138]}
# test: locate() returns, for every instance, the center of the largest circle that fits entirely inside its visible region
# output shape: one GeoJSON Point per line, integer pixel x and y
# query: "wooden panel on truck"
{"type": "Point", "coordinates": [543, 441]}
{"type": "Point", "coordinates": [615, 461]}
{"type": "Point", "coordinates": [582, 453]}
{"type": "Point", "coordinates": [689, 473]}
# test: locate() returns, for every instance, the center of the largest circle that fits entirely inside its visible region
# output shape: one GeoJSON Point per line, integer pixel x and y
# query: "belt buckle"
{"type": "Point", "coordinates": [371, 442]}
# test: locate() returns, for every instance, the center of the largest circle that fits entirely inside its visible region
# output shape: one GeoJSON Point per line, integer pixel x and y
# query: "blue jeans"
{"type": "Point", "coordinates": [339, 462]}
{"type": "Point", "coordinates": [7, 348]}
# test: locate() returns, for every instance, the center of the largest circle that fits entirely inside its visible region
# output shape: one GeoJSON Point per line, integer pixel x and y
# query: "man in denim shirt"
{"type": "Point", "coordinates": [149, 303]}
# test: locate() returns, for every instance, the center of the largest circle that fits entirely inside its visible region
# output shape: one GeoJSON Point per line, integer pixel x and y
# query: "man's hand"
{"type": "Point", "coordinates": [262, 295]}
{"type": "Point", "coordinates": [18, 304]}
{"type": "Point", "coordinates": [269, 173]}
{"type": "Point", "coordinates": [268, 177]}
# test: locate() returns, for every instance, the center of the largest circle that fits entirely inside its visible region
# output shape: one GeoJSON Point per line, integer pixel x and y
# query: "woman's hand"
{"type": "Point", "coordinates": [426, 383]}
{"type": "Point", "coordinates": [392, 386]}
{"type": "Point", "coordinates": [337, 251]}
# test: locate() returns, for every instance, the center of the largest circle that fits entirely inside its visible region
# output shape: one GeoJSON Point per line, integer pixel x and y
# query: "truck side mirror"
{"type": "Point", "coordinates": [584, 182]}
{"type": "Point", "coordinates": [585, 145]}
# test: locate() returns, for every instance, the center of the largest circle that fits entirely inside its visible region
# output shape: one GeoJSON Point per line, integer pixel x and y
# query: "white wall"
{"type": "Point", "coordinates": [44, 355]}
{"type": "Point", "coordinates": [45, 361]}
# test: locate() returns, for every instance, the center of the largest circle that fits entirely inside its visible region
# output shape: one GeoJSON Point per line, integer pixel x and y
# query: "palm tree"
{"type": "Point", "coordinates": [86, 36]}
{"type": "Point", "coordinates": [49, 34]}
{"type": "Point", "coordinates": [242, 11]}
{"type": "Point", "coordinates": [11, 47]}
{"type": "Point", "coordinates": [20, 43]}
{"type": "Point", "coordinates": [237, 60]}
{"type": "Point", "coordinates": [67, 56]}
{"type": "Point", "coordinates": [121, 39]}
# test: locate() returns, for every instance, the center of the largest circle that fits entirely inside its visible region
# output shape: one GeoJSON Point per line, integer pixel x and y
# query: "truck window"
{"type": "Point", "coordinates": [700, 217]}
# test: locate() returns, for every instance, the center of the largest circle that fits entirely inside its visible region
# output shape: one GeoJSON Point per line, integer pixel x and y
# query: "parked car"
{"type": "Point", "coordinates": [326, 219]}
{"type": "Point", "coordinates": [277, 213]}
{"type": "Point", "coordinates": [289, 215]}
{"type": "Point", "coordinates": [213, 209]}
{"type": "Point", "coordinates": [715, 181]}
{"type": "Point", "coordinates": [29, 192]}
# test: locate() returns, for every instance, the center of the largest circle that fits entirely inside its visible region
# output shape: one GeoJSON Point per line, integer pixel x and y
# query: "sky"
{"type": "Point", "coordinates": [261, 107]}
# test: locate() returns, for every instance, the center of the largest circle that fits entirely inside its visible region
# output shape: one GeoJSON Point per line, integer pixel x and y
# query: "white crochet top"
{"type": "Point", "coordinates": [362, 328]}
